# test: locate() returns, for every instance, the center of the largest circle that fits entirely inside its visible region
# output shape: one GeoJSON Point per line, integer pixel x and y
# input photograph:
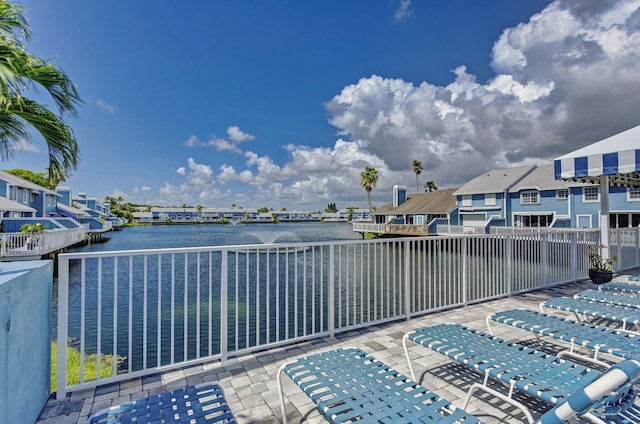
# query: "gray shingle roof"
{"type": "Point", "coordinates": [494, 181]}
{"type": "Point", "coordinates": [542, 178]}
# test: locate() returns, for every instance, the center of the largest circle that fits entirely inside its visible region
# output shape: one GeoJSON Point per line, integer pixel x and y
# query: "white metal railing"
{"type": "Point", "coordinates": [512, 230]}
{"type": "Point", "coordinates": [460, 229]}
{"type": "Point", "coordinates": [398, 229]}
{"type": "Point", "coordinates": [368, 227]}
{"type": "Point", "coordinates": [22, 244]}
{"type": "Point", "coordinates": [169, 307]}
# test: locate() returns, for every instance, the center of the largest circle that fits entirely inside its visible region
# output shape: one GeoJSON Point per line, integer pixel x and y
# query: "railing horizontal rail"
{"type": "Point", "coordinates": [141, 310]}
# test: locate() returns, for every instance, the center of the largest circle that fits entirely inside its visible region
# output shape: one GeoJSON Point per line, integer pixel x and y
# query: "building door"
{"type": "Point", "coordinates": [583, 221]}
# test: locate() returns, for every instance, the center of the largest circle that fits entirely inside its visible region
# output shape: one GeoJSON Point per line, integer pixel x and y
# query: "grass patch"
{"type": "Point", "coordinates": [73, 366]}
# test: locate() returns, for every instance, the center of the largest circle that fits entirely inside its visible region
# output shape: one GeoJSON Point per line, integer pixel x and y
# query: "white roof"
{"type": "Point", "coordinates": [7, 205]}
{"type": "Point", "coordinates": [21, 182]}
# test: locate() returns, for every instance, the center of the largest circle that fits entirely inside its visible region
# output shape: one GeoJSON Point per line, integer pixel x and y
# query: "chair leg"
{"type": "Point", "coordinates": [283, 409]}
{"type": "Point", "coordinates": [479, 386]}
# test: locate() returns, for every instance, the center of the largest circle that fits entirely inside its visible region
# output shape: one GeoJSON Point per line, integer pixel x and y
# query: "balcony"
{"type": "Point", "coordinates": [249, 380]}
{"type": "Point", "coordinates": [21, 246]}
{"type": "Point", "coordinates": [234, 313]}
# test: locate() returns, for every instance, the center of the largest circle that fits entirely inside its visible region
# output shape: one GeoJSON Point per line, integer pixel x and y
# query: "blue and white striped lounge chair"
{"type": "Point", "coordinates": [611, 396]}
{"type": "Point", "coordinates": [203, 403]}
{"type": "Point", "coordinates": [597, 339]}
{"type": "Point", "coordinates": [349, 385]}
{"type": "Point", "coordinates": [609, 297]}
{"type": "Point", "coordinates": [627, 317]}
{"type": "Point", "coordinates": [621, 286]}
{"type": "Point", "coordinates": [539, 374]}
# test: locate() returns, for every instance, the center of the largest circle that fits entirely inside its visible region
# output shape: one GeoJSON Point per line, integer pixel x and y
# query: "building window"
{"type": "Point", "coordinates": [624, 220]}
{"type": "Point", "coordinates": [25, 196]}
{"type": "Point", "coordinates": [562, 194]}
{"type": "Point", "coordinates": [529, 198]}
{"type": "Point", "coordinates": [466, 200]}
{"type": "Point", "coordinates": [490, 199]}
{"type": "Point", "coordinates": [533, 220]}
{"type": "Point", "coordinates": [14, 194]}
{"type": "Point", "coordinates": [591, 194]}
{"type": "Point", "coordinates": [633, 194]}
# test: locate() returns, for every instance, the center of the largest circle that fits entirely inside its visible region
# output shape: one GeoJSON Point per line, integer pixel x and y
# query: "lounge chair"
{"type": "Point", "coordinates": [350, 385]}
{"type": "Point", "coordinates": [203, 403]}
{"type": "Point", "coordinates": [627, 317]}
{"type": "Point", "coordinates": [609, 297]}
{"type": "Point", "coordinates": [597, 339]}
{"type": "Point", "coordinates": [621, 286]}
{"type": "Point", "coordinates": [611, 395]}
{"type": "Point", "coordinates": [539, 374]}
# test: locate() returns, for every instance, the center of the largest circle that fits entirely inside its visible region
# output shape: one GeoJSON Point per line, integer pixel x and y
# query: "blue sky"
{"type": "Point", "coordinates": [283, 103]}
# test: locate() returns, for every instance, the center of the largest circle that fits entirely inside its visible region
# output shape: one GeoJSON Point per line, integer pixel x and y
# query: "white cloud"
{"type": "Point", "coordinates": [110, 109]}
{"type": "Point", "coordinates": [141, 189]}
{"type": "Point", "coordinates": [236, 134]}
{"type": "Point", "coordinates": [23, 146]}
{"type": "Point", "coordinates": [403, 11]}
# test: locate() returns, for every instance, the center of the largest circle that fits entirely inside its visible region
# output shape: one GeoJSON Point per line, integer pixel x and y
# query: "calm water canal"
{"type": "Point", "coordinates": [174, 236]}
{"type": "Point", "coordinates": [178, 236]}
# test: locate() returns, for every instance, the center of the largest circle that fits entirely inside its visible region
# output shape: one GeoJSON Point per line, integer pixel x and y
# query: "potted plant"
{"type": "Point", "coordinates": [600, 269]}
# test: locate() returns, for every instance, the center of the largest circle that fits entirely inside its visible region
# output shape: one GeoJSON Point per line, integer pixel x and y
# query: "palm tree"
{"type": "Point", "coordinates": [430, 186]}
{"type": "Point", "coordinates": [368, 180]}
{"type": "Point", "coordinates": [21, 73]}
{"type": "Point", "coordinates": [416, 167]}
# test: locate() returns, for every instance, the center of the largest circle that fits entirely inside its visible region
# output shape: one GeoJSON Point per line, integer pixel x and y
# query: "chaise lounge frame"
{"type": "Point", "coordinates": [627, 317]}
{"type": "Point", "coordinates": [616, 344]}
{"type": "Point", "coordinates": [539, 374]}
{"type": "Point", "coordinates": [610, 297]}
{"type": "Point", "coordinates": [349, 385]}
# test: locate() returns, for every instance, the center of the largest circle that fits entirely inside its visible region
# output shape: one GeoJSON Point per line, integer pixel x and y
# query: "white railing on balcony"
{"type": "Point", "coordinates": [396, 229]}
{"type": "Point", "coordinates": [26, 245]}
{"type": "Point", "coordinates": [166, 308]}
{"type": "Point", "coordinates": [460, 229]}
{"type": "Point", "coordinates": [368, 227]}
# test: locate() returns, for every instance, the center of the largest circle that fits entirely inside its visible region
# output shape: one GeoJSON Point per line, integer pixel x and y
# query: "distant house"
{"type": "Point", "coordinates": [31, 197]}
{"type": "Point", "coordinates": [539, 200]}
{"type": "Point", "coordinates": [417, 208]}
{"type": "Point", "coordinates": [485, 198]}
{"type": "Point", "coordinates": [416, 214]}
{"type": "Point", "coordinates": [530, 196]}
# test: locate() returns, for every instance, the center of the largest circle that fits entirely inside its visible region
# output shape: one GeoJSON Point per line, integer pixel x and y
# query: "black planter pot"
{"type": "Point", "coordinates": [600, 277]}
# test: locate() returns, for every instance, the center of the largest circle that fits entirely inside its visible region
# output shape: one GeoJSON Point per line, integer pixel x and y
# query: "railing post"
{"type": "Point", "coordinates": [508, 254]}
{"type": "Point", "coordinates": [331, 292]}
{"type": "Point", "coordinates": [573, 237]}
{"type": "Point", "coordinates": [407, 280]}
{"type": "Point", "coordinates": [63, 320]}
{"type": "Point", "coordinates": [637, 247]}
{"type": "Point", "coordinates": [224, 305]}
{"type": "Point", "coordinates": [544, 258]}
{"type": "Point", "coordinates": [463, 268]}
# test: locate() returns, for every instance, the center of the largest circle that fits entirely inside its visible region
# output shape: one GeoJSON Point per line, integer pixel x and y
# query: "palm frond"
{"type": "Point", "coordinates": [62, 145]}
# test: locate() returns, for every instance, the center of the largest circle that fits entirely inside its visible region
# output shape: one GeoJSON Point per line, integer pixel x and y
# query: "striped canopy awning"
{"type": "Point", "coordinates": [617, 157]}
